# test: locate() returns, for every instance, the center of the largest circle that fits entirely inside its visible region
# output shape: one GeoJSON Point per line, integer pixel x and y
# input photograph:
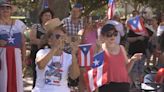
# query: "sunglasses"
{"type": "Point", "coordinates": [110, 34]}
{"type": "Point", "coordinates": [5, 7]}
{"type": "Point", "coordinates": [56, 36]}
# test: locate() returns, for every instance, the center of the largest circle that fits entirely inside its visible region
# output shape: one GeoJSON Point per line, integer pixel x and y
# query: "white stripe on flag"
{"type": "Point", "coordinates": [99, 75]}
{"type": "Point", "coordinates": [133, 28]}
{"type": "Point", "coordinates": [91, 81]}
{"type": "Point", "coordinates": [18, 62]}
{"type": "Point", "coordinates": [82, 58]}
{"type": "Point", "coordinates": [88, 58]}
{"type": "Point", "coordinates": [3, 71]}
{"type": "Point", "coordinates": [140, 26]}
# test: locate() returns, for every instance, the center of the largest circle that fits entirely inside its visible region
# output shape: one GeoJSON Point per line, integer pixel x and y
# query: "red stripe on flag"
{"type": "Point", "coordinates": [111, 9]}
{"type": "Point", "coordinates": [143, 26]}
{"type": "Point", "coordinates": [105, 70]}
{"type": "Point", "coordinates": [86, 79]}
{"type": "Point", "coordinates": [11, 69]}
{"type": "Point", "coordinates": [95, 77]}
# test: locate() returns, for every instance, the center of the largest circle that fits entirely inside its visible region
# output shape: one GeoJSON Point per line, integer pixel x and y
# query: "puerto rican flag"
{"type": "Point", "coordinates": [97, 76]}
{"type": "Point", "coordinates": [111, 8]}
{"type": "Point", "coordinates": [11, 63]}
{"type": "Point", "coordinates": [85, 55]}
{"type": "Point", "coordinates": [136, 24]}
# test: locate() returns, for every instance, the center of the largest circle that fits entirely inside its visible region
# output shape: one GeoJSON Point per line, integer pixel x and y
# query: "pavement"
{"type": "Point", "coordinates": [27, 84]}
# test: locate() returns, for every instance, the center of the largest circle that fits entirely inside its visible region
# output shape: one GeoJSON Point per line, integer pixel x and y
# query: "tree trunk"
{"type": "Point", "coordinates": [34, 15]}
{"type": "Point", "coordinates": [60, 8]}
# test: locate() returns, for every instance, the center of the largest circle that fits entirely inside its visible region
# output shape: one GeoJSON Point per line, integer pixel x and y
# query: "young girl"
{"type": "Point", "coordinates": [118, 63]}
{"type": "Point", "coordinates": [53, 65]}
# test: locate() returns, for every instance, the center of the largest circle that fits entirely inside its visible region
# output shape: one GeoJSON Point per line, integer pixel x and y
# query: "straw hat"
{"type": "Point", "coordinates": [8, 4]}
{"type": "Point", "coordinates": [52, 24]}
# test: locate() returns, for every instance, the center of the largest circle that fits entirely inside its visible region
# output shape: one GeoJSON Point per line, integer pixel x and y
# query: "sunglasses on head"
{"type": "Point", "coordinates": [110, 34]}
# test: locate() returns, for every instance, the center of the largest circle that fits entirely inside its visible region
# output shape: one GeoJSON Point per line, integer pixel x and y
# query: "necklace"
{"type": "Point", "coordinates": [10, 23]}
{"type": "Point", "coordinates": [10, 34]}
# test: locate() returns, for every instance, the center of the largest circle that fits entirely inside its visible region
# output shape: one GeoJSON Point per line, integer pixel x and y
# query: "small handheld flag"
{"type": "Point", "coordinates": [97, 76]}
{"type": "Point", "coordinates": [136, 25]}
{"type": "Point", "coordinates": [111, 9]}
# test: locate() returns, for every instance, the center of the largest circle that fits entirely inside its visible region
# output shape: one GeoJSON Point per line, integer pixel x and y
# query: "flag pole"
{"type": "Point", "coordinates": [126, 7]}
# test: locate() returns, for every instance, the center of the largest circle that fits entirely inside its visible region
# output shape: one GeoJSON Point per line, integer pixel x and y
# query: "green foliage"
{"type": "Point", "coordinates": [92, 5]}
{"type": "Point", "coordinates": [27, 5]}
{"type": "Point", "coordinates": [157, 4]}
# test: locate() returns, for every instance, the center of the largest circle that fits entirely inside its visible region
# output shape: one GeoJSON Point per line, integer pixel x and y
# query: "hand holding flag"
{"type": "Point", "coordinates": [85, 55]}
{"type": "Point", "coordinates": [97, 76]}
{"type": "Point", "coordinates": [75, 44]}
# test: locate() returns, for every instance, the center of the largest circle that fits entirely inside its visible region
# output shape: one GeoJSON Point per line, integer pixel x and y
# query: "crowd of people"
{"type": "Point", "coordinates": [54, 46]}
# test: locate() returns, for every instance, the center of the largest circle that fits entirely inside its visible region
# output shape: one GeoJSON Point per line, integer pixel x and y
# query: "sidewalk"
{"type": "Point", "coordinates": [27, 84]}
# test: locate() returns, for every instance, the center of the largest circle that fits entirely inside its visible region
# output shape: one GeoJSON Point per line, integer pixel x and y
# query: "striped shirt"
{"type": "Point", "coordinates": [71, 28]}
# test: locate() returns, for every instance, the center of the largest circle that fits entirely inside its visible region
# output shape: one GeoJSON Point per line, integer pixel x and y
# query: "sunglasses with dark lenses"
{"type": "Point", "coordinates": [5, 7]}
{"type": "Point", "coordinates": [110, 34]}
{"type": "Point", "coordinates": [56, 36]}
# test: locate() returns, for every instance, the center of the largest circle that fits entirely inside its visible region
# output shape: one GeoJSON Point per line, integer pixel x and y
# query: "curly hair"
{"type": "Point", "coordinates": [43, 12]}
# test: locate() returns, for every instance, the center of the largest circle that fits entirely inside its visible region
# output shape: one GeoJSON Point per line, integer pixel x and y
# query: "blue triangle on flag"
{"type": "Point", "coordinates": [85, 48]}
{"type": "Point", "coordinates": [134, 22]}
{"type": "Point", "coordinates": [110, 1]}
{"type": "Point", "coordinates": [98, 60]}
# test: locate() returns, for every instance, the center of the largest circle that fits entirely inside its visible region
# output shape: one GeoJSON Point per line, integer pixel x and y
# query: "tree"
{"type": "Point", "coordinates": [91, 5]}
{"type": "Point", "coordinates": [28, 8]}
{"type": "Point", "coordinates": [60, 8]}
{"type": "Point", "coordinates": [157, 4]}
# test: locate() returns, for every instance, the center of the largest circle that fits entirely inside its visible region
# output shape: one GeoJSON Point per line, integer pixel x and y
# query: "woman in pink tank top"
{"type": "Point", "coordinates": [118, 63]}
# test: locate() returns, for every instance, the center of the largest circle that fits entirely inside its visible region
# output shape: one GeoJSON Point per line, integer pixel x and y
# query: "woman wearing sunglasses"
{"type": "Point", "coordinates": [118, 63]}
{"type": "Point", "coordinates": [53, 65]}
{"type": "Point", "coordinates": [12, 49]}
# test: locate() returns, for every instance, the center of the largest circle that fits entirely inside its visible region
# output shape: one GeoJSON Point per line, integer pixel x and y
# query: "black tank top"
{"type": "Point", "coordinates": [34, 48]}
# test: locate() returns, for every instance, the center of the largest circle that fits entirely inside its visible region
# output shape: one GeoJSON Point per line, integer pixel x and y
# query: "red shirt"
{"type": "Point", "coordinates": [117, 71]}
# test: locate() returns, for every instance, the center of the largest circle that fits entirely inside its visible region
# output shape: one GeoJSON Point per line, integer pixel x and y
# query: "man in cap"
{"type": "Point", "coordinates": [73, 23]}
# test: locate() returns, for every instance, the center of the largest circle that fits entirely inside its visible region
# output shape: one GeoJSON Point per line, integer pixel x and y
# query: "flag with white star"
{"type": "Point", "coordinates": [85, 55]}
{"type": "Point", "coordinates": [97, 76]}
{"type": "Point", "coordinates": [14, 40]}
{"type": "Point", "coordinates": [98, 60]}
{"type": "Point", "coordinates": [136, 25]}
